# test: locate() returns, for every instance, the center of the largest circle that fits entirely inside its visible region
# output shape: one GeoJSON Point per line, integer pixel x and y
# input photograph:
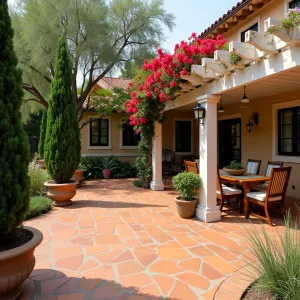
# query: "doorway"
{"type": "Point", "coordinates": [229, 141]}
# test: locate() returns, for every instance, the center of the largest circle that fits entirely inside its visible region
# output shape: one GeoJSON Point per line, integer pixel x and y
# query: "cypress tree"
{"type": "Point", "coordinates": [43, 130]}
{"type": "Point", "coordinates": [14, 148]}
{"type": "Point", "coordinates": [62, 145]}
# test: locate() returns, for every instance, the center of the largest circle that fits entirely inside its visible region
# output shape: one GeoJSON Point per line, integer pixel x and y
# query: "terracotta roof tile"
{"type": "Point", "coordinates": [111, 82]}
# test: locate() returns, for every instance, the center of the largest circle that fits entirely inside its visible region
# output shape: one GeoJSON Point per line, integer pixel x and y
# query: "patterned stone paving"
{"type": "Point", "coordinates": [124, 243]}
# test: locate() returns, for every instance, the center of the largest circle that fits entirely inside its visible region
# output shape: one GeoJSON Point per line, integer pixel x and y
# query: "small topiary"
{"type": "Point", "coordinates": [43, 130]}
{"type": "Point", "coordinates": [62, 145]}
{"type": "Point", "coordinates": [187, 184]}
{"type": "Point", "coordinates": [14, 149]}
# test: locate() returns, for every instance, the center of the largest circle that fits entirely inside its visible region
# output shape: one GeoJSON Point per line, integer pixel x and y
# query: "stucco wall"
{"type": "Point", "coordinates": [258, 143]}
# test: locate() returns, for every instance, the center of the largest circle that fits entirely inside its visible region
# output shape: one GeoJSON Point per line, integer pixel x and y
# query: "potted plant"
{"type": "Point", "coordinates": [188, 186]}
{"type": "Point", "coordinates": [78, 176]}
{"type": "Point", "coordinates": [39, 156]}
{"type": "Point", "coordinates": [62, 144]}
{"type": "Point", "coordinates": [17, 243]}
{"type": "Point", "coordinates": [235, 168]}
{"type": "Point", "coordinates": [108, 165]}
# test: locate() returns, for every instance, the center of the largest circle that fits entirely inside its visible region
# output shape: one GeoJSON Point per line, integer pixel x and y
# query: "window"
{"type": "Point", "coordinates": [129, 136]}
{"type": "Point", "coordinates": [289, 131]}
{"type": "Point", "coordinates": [183, 136]}
{"type": "Point", "coordinates": [294, 4]}
{"type": "Point", "coordinates": [99, 133]}
{"type": "Point", "coordinates": [253, 28]}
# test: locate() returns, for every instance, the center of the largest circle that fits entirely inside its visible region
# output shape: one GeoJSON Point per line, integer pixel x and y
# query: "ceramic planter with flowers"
{"type": "Point", "coordinates": [188, 185]}
{"type": "Point", "coordinates": [62, 145]}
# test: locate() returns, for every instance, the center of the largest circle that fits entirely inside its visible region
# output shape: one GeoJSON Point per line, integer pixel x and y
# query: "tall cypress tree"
{"type": "Point", "coordinates": [43, 130]}
{"type": "Point", "coordinates": [62, 146]}
{"type": "Point", "coordinates": [14, 149]}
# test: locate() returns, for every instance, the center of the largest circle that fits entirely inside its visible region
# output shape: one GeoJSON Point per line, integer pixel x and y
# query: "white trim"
{"type": "Point", "coordinates": [192, 135]}
{"type": "Point", "coordinates": [286, 7]}
{"type": "Point", "coordinates": [121, 140]}
{"type": "Point", "coordinates": [112, 154]}
{"type": "Point", "coordinates": [275, 108]}
{"type": "Point", "coordinates": [254, 21]}
{"type": "Point", "coordinates": [109, 147]}
{"type": "Point", "coordinates": [230, 117]}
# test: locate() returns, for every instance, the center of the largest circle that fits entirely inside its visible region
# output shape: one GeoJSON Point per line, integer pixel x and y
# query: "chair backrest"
{"type": "Point", "coordinates": [278, 183]}
{"type": "Point", "coordinates": [253, 166]}
{"type": "Point", "coordinates": [191, 166]}
{"type": "Point", "coordinates": [271, 165]}
{"type": "Point", "coordinates": [168, 155]}
{"type": "Point", "coordinates": [219, 185]}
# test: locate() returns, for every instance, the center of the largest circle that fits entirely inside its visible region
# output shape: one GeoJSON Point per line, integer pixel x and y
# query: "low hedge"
{"type": "Point", "coordinates": [38, 206]}
{"type": "Point", "coordinates": [92, 168]}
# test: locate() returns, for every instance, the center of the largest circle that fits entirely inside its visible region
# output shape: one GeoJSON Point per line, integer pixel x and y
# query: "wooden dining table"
{"type": "Point", "coordinates": [246, 181]}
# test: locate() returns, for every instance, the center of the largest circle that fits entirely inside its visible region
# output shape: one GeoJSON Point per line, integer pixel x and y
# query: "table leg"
{"type": "Point", "coordinates": [246, 187]}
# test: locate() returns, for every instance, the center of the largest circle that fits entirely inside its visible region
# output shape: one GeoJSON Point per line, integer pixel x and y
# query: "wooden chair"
{"type": "Point", "coordinates": [191, 166]}
{"type": "Point", "coordinates": [274, 195]}
{"type": "Point", "coordinates": [253, 166]}
{"type": "Point", "coordinates": [224, 193]}
{"type": "Point", "coordinates": [168, 157]}
{"type": "Point", "coordinates": [271, 164]}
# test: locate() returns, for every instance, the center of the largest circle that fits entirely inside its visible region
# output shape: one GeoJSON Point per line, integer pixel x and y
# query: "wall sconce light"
{"type": "Point", "coordinates": [221, 109]}
{"type": "Point", "coordinates": [199, 113]}
{"type": "Point", "coordinates": [252, 121]}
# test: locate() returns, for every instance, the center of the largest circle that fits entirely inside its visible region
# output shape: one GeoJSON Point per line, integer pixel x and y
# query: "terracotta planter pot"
{"type": "Point", "coordinates": [42, 164]}
{"type": "Point", "coordinates": [16, 266]}
{"type": "Point", "coordinates": [106, 173]}
{"type": "Point", "coordinates": [61, 193]}
{"type": "Point", "coordinates": [78, 176]}
{"type": "Point", "coordinates": [186, 209]}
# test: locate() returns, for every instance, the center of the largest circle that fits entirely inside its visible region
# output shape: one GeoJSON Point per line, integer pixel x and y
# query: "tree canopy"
{"type": "Point", "coordinates": [101, 37]}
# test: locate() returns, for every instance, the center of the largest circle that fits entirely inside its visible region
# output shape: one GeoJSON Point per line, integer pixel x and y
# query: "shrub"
{"type": "Point", "coordinates": [92, 167]}
{"type": "Point", "coordinates": [187, 184]}
{"type": "Point", "coordinates": [108, 163]}
{"type": "Point", "coordinates": [62, 145]}
{"type": "Point", "coordinates": [278, 260]}
{"type": "Point", "coordinates": [14, 148]}
{"type": "Point", "coordinates": [38, 206]}
{"type": "Point", "coordinates": [235, 165]}
{"type": "Point", "coordinates": [37, 178]}
{"type": "Point", "coordinates": [43, 130]}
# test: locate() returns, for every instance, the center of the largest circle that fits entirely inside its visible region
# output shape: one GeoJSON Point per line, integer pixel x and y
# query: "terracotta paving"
{"type": "Point", "coordinates": [123, 243]}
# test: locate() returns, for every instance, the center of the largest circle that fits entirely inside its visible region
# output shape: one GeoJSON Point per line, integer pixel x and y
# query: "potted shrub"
{"type": "Point", "coordinates": [62, 144]}
{"type": "Point", "coordinates": [78, 176]}
{"type": "Point", "coordinates": [17, 244]}
{"type": "Point", "coordinates": [188, 186]}
{"type": "Point", "coordinates": [39, 156]}
{"type": "Point", "coordinates": [108, 165]}
{"type": "Point", "coordinates": [235, 168]}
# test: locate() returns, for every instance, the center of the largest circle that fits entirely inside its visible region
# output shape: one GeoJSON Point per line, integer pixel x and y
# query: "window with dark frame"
{"type": "Point", "coordinates": [183, 136]}
{"type": "Point", "coordinates": [99, 133]}
{"type": "Point", "coordinates": [289, 131]}
{"type": "Point", "coordinates": [294, 4]}
{"type": "Point", "coordinates": [129, 136]}
{"type": "Point", "coordinates": [253, 28]}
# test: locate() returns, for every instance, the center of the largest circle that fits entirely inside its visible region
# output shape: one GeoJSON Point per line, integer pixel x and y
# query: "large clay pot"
{"type": "Point", "coordinates": [61, 193]}
{"type": "Point", "coordinates": [16, 266]}
{"type": "Point", "coordinates": [78, 176]}
{"type": "Point", "coordinates": [106, 173]}
{"type": "Point", "coordinates": [186, 209]}
{"type": "Point", "coordinates": [42, 164]}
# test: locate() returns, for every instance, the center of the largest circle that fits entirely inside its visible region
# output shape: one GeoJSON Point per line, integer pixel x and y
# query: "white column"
{"type": "Point", "coordinates": [207, 209]}
{"type": "Point", "coordinates": [157, 183]}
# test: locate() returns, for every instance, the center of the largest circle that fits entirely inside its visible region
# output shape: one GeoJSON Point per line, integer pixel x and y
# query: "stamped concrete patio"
{"type": "Point", "coordinates": [120, 242]}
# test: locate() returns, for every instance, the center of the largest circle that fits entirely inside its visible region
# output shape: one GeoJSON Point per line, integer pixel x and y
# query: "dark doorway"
{"type": "Point", "coordinates": [229, 141]}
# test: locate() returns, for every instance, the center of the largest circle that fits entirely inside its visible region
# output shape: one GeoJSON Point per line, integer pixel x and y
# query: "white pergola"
{"type": "Point", "coordinates": [267, 60]}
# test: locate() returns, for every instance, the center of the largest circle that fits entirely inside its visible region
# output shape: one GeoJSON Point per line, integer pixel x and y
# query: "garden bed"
{"type": "Point", "coordinates": [38, 206]}
{"type": "Point", "coordinates": [253, 293]}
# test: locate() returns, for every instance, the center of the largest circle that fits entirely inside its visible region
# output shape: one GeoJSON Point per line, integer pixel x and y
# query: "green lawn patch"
{"type": "Point", "coordinates": [38, 206]}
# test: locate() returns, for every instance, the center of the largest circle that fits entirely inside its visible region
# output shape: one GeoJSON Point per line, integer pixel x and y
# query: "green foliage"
{"type": "Point", "coordinates": [187, 184]}
{"type": "Point", "coordinates": [37, 178]}
{"type": "Point", "coordinates": [43, 130]}
{"type": "Point", "coordinates": [234, 59]}
{"type": "Point", "coordinates": [14, 149]}
{"type": "Point", "coordinates": [62, 144]}
{"type": "Point", "coordinates": [93, 166]}
{"type": "Point", "coordinates": [38, 206]}
{"type": "Point", "coordinates": [235, 165]}
{"type": "Point", "coordinates": [138, 183]}
{"type": "Point", "coordinates": [33, 123]}
{"type": "Point", "coordinates": [108, 163]}
{"type": "Point", "coordinates": [277, 260]}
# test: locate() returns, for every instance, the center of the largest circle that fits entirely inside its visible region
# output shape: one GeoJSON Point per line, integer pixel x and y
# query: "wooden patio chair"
{"type": "Point", "coordinates": [253, 166]}
{"type": "Point", "coordinates": [274, 195]}
{"type": "Point", "coordinates": [191, 166]}
{"type": "Point", "coordinates": [225, 193]}
{"type": "Point", "coordinates": [271, 164]}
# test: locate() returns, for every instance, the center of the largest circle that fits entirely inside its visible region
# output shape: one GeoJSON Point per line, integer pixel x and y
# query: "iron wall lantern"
{"type": "Point", "coordinates": [199, 113]}
{"type": "Point", "coordinates": [252, 121]}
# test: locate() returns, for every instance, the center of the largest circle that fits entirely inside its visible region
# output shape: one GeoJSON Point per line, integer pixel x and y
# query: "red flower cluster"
{"type": "Point", "coordinates": [163, 75]}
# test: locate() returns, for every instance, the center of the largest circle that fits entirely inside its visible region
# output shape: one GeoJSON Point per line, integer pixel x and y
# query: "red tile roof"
{"type": "Point", "coordinates": [111, 82]}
